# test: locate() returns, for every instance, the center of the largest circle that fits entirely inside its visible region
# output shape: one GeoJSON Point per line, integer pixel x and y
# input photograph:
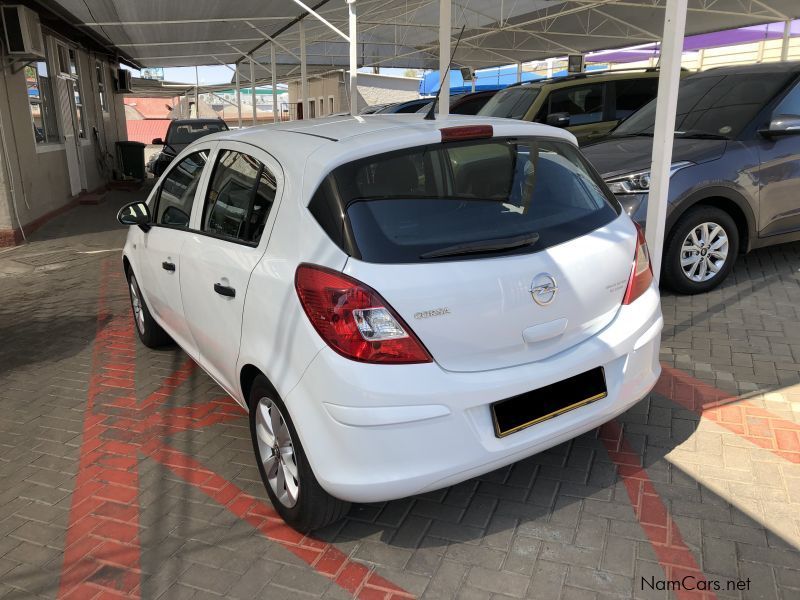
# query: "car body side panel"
{"type": "Point", "coordinates": [779, 178]}
{"type": "Point", "coordinates": [277, 337]}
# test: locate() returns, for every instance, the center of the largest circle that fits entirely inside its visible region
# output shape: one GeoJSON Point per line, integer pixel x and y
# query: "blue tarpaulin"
{"type": "Point", "coordinates": [487, 79]}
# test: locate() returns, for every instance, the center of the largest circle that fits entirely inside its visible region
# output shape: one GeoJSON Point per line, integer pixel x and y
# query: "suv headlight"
{"type": "Point", "coordinates": [639, 183]}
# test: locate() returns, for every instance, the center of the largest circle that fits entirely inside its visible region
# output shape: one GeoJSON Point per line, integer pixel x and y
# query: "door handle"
{"type": "Point", "coordinates": [225, 290]}
{"type": "Point", "coordinates": [168, 266]}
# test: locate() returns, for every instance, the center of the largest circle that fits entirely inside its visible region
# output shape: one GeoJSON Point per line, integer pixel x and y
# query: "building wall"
{"type": "Point", "coordinates": [381, 89]}
{"type": "Point", "coordinates": [39, 171]}
{"type": "Point", "coordinates": [372, 89]}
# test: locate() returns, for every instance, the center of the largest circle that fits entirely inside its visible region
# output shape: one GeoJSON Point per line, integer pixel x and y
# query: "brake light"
{"type": "Point", "coordinates": [354, 320]}
{"type": "Point", "coordinates": [466, 132]}
{"type": "Point", "coordinates": [642, 272]}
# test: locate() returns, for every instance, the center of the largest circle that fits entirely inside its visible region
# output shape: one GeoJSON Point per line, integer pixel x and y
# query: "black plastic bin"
{"type": "Point", "coordinates": [131, 158]}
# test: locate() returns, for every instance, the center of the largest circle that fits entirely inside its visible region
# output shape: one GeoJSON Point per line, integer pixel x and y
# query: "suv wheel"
{"type": "Point", "coordinates": [291, 485]}
{"type": "Point", "coordinates": [150, 333]}
{"type": "Point", "coordinates": [701, 250]}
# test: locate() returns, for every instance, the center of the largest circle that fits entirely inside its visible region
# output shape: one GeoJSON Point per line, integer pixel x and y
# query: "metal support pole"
{"type": "Point", "coordinates": [519, 72]}
{"type": "Point", "coordinates": [196, 94]}
{"type": "Point", "coordinates": [253, 87]}
{"type": "Point", "coordinates": [238, 98]}
{"type": "Point", "coordinates": [353, 42]}
{"type": "Point", "coordinates": [303, 72]}
{"type": "Point", "coordinates": [664, 132]}
{"type": "Point", "coordinates": [275, 116]}
{"type": "Point", "coordinates": [444, 57]}
{"type": "Point", "coordinates": [787, 38]}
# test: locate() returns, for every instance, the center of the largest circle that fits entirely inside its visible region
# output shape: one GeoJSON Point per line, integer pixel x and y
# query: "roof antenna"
{"type": "Point", "coordinates": [431, 115]}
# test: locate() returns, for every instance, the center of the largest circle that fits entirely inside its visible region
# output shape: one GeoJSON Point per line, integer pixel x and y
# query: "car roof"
{"type": "Point", "coordinates": [769, 67]}
{"type": "Point", "coordinates": [189, 121]}
{"type": "Point", "coordinates": [578, 78]}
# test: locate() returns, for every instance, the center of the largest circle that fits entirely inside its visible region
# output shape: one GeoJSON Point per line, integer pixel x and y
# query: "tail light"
{"type": "Point", "coordinates": [642, 272]}
{"type": "Point", "coordinates": [354, 320]}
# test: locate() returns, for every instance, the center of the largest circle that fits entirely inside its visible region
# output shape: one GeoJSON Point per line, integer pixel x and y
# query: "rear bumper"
{"type": "Point", "coordinates": [378, 432]}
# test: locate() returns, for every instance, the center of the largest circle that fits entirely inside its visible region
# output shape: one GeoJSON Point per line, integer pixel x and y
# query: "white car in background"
{"type": "Point", "coordinates": [401, 304]}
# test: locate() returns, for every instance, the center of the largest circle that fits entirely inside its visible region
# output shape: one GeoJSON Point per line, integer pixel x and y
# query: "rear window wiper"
{"type": "Point", "coordinates": [696, 134]}
{"type": "Point", "coordinates": [519, 241]}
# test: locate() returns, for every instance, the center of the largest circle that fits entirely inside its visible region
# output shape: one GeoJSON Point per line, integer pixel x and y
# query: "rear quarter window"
{"type": "Point", "coordinates": [407, 206]}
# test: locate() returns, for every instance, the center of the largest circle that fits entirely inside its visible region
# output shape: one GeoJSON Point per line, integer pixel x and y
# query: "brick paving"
{"type": "Point", "coordinates": [126, 472]}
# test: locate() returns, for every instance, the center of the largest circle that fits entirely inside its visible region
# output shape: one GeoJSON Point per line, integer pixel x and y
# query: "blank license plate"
{"type": "Point", "coordinates": [513, 414]}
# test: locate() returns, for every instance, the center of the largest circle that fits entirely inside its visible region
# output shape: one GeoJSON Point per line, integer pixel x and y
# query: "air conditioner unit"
{"type": "Point", "coordinates": [124, 80]}
{"type": "Point", "coordinates": [23, 33]}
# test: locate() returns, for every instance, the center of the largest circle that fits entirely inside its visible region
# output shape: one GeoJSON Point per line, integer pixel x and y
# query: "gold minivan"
{"type": "Point", "coordinates": [587, 104]}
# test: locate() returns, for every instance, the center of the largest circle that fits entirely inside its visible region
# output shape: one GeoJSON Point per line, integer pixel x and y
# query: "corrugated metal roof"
{"type": "Point", "coordinates": [396, 33]}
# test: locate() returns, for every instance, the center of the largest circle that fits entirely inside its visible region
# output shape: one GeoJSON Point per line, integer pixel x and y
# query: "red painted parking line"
{"type": "Point", "coordinates": [673, 555]}
{"type": "Point", "coordinates": [102, 551]}
{"type": "Point", "coordinates": [753, 423]}
{"type": "Point", "coordinates": [325, 558]}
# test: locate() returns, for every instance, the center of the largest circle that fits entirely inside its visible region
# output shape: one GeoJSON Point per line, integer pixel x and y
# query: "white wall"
{"type": "Point", "coordinates": [40, 171]}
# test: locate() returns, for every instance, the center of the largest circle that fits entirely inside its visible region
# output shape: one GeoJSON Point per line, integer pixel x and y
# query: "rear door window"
{"type": "Point", "coordinates": [583, 103]}
{"type": "Point", "coordinates": [239, 198]}
{"type": "Point", "coordinates": [408, 206]}
{"type": "Point", "coordinates": [632, 94]}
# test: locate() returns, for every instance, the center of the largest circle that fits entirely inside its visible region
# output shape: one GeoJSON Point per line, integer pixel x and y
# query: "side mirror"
{"type": "Point", "coordinates": [158, 142]}
{"type": "Point", "coordinates": [135, 213]}
{"type": "Point", "coordinates": [781, 125]}
{"type": "Point", "coordinates": [559, 119]}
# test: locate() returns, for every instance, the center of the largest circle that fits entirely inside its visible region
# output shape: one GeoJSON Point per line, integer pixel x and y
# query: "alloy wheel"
{"type": "Point", "coordinates": [704, 251]}
{"type": "Point", "coordinates": [276, 452]}
{"type": "Point", "coordinates": [138, 312]}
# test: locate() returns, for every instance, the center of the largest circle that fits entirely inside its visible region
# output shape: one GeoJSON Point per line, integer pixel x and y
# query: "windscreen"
{"type": "Point", "coordinates": [465, 200]}
{"type": "Point", "coordinates": [186, 133]}
{"type": "Point", "coordinates": [720, 105]}
{"type": "Point", "coordinates": [511, 103]}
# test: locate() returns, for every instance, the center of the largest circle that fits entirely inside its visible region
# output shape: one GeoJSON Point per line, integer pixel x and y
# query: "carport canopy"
{"type": "Point", "coordinates": [277, 40]}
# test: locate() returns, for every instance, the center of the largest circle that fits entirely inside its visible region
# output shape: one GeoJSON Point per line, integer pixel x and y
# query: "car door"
{"type": "Point", "coordinates": [172, 207]}
{"type": "Point", "coordinates": [228, 239]}
{"type": "Point", "coordinates": [779, 174]}
{"type": "Point", "coordinates": [586, 106]}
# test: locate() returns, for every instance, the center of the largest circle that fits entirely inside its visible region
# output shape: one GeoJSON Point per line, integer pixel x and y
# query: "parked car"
{"type": "Point", "coordinates": [371, 110]}
{"type": "Point", "coordinates": [409, 106]}
{"type": "Point", "coordinates": [400, 304]}
{"type": "Point", "coordinates": [464, 104]}
{"type": "Point", "coordinates": [181, 133]}
{"type": "Point", "coordinates": [735, 176]}
{"type": "Point", "coordinates": [588, 104]}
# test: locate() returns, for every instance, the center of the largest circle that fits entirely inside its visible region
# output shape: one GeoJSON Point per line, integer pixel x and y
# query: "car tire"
{"type": "Point", "coordinates": [301, 502]}
{"type": "Point", "coordinates": [701, 250]}
{"type": "Point", "coordinates": [150, 333]}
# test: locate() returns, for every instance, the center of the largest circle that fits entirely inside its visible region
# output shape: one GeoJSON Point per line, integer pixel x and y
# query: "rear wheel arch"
{"type": "Point", "coordinates": [247, 376]}
{"type": "Point", "coordinates": [726, 200]}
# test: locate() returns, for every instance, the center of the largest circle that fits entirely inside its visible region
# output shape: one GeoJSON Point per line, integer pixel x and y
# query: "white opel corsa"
{"type": "Point", "coordinates": [401, 304]}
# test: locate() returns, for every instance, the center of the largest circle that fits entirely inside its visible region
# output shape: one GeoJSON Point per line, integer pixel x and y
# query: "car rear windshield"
{"type": "Point", "coordinates": [465, 200]}
{"type": "Point", "coordinates": [186, 133]}
{"type": "Point", "coordinates": [711, 104]}
{"type": "Point", "coordinates": [511, 103]}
